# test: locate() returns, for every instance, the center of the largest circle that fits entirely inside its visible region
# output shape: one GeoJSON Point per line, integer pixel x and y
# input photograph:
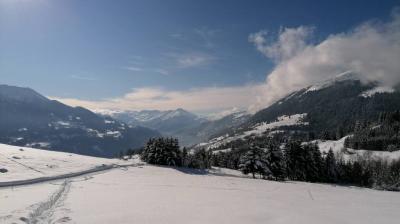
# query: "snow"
{"type": "Point", "coordinates": [258, 129]}
{"type": "Point", "coordinates": [151, 195]}
{"type": "Point", "coordinates": [379, 89]}
{"type": "Point", "coordinates": [109, 122]}
{"type": "Point", "coordinates": [285, 120]}
{"type": "Point", "coordinates": [39, 144]}
{"type": "Point", "coordinates": [115, 134]}
{"type": "Point", "coordinates": [351, 154]}
{"type": "Point", "coordinates": [63, 123]}
{"type": "Point", "coordinates": [27, 163]}
{"type": "Point", "coordinates": [107, 112]}
{"type": "Point", "coordinates": [235, 111]}
{"type": "Point", "coordinates": [172, 114]}
{"type": "Point", "coordinates": [222, 150]}
{"type": "Point", "coordinates": [348, 75]}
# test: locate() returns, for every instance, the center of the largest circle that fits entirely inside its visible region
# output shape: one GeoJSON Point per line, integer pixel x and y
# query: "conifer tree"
{"type": "Point", "coordinates": [330, 167]}
{"type": "Point", "coordinates": [254, 161]}
{"type": "Point", "coordinates": [275, 162]}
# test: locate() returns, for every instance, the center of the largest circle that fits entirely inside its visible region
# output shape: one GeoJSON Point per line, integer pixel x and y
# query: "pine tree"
{"type": "Point", "coordinates": [330, 167]}
{"type": "Point", "coordinates": [162, 151]}
{"type": "Point", "coordinates": [275, 162]}
{"type": "Point", "coordinates": [254, 161]}
{"type": "Point", "coordinates": [295, 161]}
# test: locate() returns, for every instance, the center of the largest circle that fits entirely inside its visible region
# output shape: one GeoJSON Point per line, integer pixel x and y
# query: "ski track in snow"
{"type": "Point", "coordinates": [44, 211]}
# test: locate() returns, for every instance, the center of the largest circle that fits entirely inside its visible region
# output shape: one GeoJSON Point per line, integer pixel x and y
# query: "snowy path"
{"type": "Point", "coordinates": [62, 176]}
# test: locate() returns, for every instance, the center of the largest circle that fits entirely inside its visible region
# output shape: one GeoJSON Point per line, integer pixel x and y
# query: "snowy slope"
{"type": "Point", "coordinates": [26, 163]}
{"type": "Point", "coordinates": [378, 89]}
{"type": "Point", "coordinates": [165, 195]}
{"type": "Point", "coordinates": [351, 154]}
{"type": "Point", "coordinates": [258, 129]}
{"type": "Point", "coordinates": [348, 75]}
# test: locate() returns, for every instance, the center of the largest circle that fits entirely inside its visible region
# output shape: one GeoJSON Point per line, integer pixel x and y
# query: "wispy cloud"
{"type": "Point", "coordinates": [162, 71]}
{"type": "Point", "coordinates": [177, 36]}
{"type": "Point", "coordinates": [191, 59]}
{"type": "Point", "coordinates": [147, 70]}
{"type": "Point", "coordinates": [85, 78]}
{"type": "Point", "coordinates": [187, 61]}
{"type": "Point", "coordinates": [198, 99]}
{"type": "Point", "coordinates": [207, 35]}
{"type": "Point", "coordinates": [133, 68]}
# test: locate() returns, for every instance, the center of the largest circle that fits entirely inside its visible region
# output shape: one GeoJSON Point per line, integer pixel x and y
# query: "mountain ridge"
{"type": "Point", "coordinates": [329, 112]}
{"type": "Point", "coordinates": [29, 119]}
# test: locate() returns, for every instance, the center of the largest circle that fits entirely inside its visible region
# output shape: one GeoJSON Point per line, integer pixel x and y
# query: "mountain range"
{"type": "Point", "coordinates": [327, 110]}
{"type": "Point", "coordinates": [30, 119]}
{"type": "Point", "coordinates": [189, 128]}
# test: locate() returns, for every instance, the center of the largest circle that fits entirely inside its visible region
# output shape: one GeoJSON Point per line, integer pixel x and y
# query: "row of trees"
{"type": "Point", "coordinates": [295, 162]}
{"type": "Point", "coordinates": [305, 162]}
{"type": "Point", "coordinates": [270, 160]}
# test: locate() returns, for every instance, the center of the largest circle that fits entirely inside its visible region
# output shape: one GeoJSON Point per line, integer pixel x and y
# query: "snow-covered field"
{"type": "Point", "coordinates": [150, 194]}
{"type": "Point", "coordinates": [27, 163]}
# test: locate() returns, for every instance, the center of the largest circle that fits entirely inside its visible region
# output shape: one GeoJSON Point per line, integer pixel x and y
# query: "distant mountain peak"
{"type": "Point", "coordinates": [344, 76]}
{"type": "Point", "coordinates": [234, 111]}
{"type": "Point", "coordinates": [21, 94]}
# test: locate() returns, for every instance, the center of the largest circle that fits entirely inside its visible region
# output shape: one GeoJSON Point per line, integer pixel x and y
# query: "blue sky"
{"type": "Point", "coordinates": [92, 50]}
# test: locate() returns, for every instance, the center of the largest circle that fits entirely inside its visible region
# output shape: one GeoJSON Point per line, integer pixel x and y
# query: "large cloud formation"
{"type": "Point", "coordinates": [371, 51]}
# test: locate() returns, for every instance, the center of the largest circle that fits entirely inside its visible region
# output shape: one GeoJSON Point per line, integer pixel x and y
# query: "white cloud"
{"type": "Point", "coordinates": [198, 100]}
{"type": "Point", "coordinates": [133, 69]}
{"type": "Point", "coordinates": [290, 42]}
{"type": "Point", "coordinates": [371, 50]}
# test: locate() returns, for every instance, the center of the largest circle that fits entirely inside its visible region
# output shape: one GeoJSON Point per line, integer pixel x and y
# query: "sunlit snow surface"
{"type": "Point", "coordinates": [149, 194]}
{"type": "Point", "coordinates": [166, 195]}
{"type": "Point", "coordinates": [27, 163]}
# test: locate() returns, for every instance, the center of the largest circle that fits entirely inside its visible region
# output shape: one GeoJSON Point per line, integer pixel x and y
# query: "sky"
{"type": "Point", "coordinates": [203, 56]}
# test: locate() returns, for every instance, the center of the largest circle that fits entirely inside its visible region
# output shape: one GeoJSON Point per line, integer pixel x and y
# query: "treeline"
{"type": "Point", "coordinates": [383, 135]}
{"type": "Point", "coordinates": [269, 159]}
{"type": "Point", "coordinates": [305, 162]}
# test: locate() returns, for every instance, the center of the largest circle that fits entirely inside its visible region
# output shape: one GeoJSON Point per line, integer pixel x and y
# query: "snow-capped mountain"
{"type": "Point", "coordinates": [168, 121]}
{"type": "Point", "coordinates": [329, 109]}
{"type": "Point", "coordinates": [30, 119]}
{"type": "Point", "coordinates": [187, 127]}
